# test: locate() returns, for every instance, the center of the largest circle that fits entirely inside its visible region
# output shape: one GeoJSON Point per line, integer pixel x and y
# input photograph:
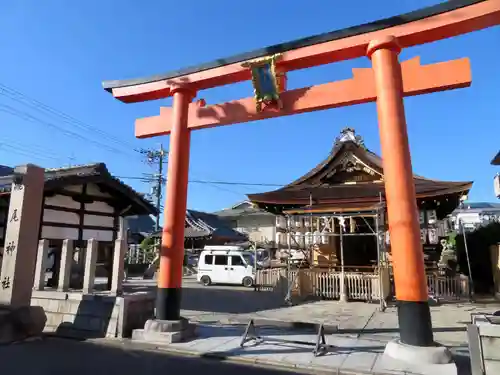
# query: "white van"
{"type": "Point", "coordinates": [226, 267]}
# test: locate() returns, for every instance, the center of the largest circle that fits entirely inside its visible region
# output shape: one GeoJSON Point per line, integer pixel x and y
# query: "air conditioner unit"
{"type": "Point", "coordinates": [496, 183]}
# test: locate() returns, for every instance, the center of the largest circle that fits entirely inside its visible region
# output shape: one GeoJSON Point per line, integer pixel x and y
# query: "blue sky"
{"type": "Point", "coordinates": [58, 52]}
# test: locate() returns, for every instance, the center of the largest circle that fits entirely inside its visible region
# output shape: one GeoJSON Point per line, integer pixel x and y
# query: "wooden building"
{"type": "Point", "coordinates": [347, 189]}
{"type": "Point", "coordinates": [80, 203]}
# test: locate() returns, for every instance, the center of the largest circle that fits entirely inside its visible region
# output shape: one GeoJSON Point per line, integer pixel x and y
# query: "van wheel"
{"type": "Point", "coordinates": [205, 280]}
{"type": "Point", "coordinates": [247, 282]}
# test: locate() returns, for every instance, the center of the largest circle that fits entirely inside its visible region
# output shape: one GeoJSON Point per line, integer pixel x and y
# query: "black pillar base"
{"type": "Point", "coordinates": [168, 303]}
{"type": "Point", "coordinates": [415, 325]}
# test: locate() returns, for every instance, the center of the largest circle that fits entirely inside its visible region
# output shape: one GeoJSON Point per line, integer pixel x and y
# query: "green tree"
{"type": "Point", "coordinates": [148, 246]}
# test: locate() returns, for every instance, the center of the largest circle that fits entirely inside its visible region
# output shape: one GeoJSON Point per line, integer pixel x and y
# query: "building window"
{"type": "Point", "coordinates": [220, 260]}
{"type": "Point", "coordinates": [209, 259]}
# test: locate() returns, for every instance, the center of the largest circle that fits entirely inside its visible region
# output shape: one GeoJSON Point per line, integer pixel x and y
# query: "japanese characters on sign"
{"type": "Point", "coordinates": [14, 217]}
{"type": "Point", "coordinates": [6, 282]}
{"type": "Point", "coordinates": [10, 248]}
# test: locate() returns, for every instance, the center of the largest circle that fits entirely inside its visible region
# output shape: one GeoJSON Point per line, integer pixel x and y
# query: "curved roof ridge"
{"type": "Point", "coordinates": [349, 142]}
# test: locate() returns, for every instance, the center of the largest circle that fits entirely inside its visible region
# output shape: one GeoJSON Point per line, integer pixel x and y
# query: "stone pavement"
{"type": "Point", "coordinates": [349, 355]}
{"type": "Point", "coordinates": [364, 330]}
{"type": "Point", "coordinates": [363, 333]}
{"type": "Point", "coordinates": [362, 320]}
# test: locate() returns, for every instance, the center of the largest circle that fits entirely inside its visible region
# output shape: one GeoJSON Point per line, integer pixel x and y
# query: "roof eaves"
{"type": "Point", "coordinates": [496, 159]}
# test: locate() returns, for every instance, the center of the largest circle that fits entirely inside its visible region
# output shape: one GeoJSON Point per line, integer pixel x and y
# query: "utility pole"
{"type": "Point", "coordinates": [156, 157]}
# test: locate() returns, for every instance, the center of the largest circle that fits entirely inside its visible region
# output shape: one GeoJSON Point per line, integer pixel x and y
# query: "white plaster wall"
{"type": "Point", "coordinates": [99, 235]}
{"type": "Point", "coordinates": [54, 216]}
{"type": "Point", "coordinates": [258, 228]}
{"type": "Point", "coordinates": [57, 233]}
{"type": "Point", "coordinates": [97, 220]}
{"type": "Point", "coordinates": [62, 201]}
{"type": "Point", "coordinates": [99, 207]}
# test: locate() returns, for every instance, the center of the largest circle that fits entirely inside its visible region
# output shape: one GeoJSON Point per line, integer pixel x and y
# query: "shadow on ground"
{"type": "Point", "coordinates": [223, 300]}
{"type": "Point", "coordinates": [58, 356]}
{"type": "Point", "coordinates": [233, 301]}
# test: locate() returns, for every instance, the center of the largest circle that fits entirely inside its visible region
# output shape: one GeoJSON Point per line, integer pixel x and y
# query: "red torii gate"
{"type": "Point", "coordinates": [387, 82]}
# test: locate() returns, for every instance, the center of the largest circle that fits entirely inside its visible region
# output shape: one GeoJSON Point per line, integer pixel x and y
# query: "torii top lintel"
{"type": "Point", "coordinates": [426, 25]}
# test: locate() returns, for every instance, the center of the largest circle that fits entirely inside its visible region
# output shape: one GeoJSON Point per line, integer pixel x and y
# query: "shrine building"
{"type": "Point", "coordinates": [339, 207]}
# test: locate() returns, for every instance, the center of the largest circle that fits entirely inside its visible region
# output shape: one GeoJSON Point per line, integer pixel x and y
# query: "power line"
{"type": "Point", "coordinates": [43, 108]}
{"type": "Point", "coordinates": [30, 148]}
{"type": "Point", "coordinates": [28, 117]}
{"type": "Point", "coordinates": [209, 182]}
{"type": "Point", "coordinates": [25, 151]}
{"type": "Point", "coordinates": [224, 189]}
{"type": "Point", "coordinates": [236, 183]}
{"type": "Point", "coordinates": [30, 102]}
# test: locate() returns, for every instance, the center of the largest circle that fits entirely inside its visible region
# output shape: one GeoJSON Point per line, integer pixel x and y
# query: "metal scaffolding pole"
{"type": "Point", "coordinates": [379, 265]}
{"type": "Point", "coordinates": [343, 295]}
{"type": "Point", "coordinates": [288, 297]}
{"type": "Point", "coordinates": [471, 282]}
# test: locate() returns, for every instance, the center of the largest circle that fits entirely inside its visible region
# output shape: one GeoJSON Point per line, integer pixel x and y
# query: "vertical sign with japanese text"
{"type": "Point", "coordinates": [21, 238]}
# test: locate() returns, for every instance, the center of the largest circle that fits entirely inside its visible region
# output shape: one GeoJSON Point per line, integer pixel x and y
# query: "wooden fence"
{"type": "Point", "coordinates": [359, 286]}
{"type": "Point", "coordinates": [448, 287]}
{"type": "Point", "coordinates": [319, 283]}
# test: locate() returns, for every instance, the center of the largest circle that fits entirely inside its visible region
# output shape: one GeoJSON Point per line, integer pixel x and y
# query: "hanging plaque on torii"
{"type": "Point", "coordinates": [267, 82]}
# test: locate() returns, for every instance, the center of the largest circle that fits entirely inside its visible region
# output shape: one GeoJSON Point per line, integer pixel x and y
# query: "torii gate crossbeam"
{"type": "Point", "coordinates": [387, 82]}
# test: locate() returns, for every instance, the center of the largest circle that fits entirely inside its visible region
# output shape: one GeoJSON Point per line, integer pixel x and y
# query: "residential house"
{"type": "Point", "coordinates": [257, 224]}
{"type": "Point", "coordinates": [473, 215]}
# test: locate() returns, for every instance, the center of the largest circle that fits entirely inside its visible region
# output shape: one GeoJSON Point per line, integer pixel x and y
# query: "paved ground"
{"type": "Point", "coordinates": [363, 333]}
{"type": "Point", "coordinates": [233, 304]}
{"type": "Point", "coordinates": [364, 330]}
{"type": "Point", "coordinates": [62, 357]}
{"type": "Point", "coordinates": [219, 299]}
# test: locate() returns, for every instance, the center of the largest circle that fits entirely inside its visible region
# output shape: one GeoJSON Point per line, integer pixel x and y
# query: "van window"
{"type": "Point", "coordinates": [220, 260]}
{"type": "Point", "coordinates": [209, 259]}
{"type": "Point", "coordinates": [236, 260]}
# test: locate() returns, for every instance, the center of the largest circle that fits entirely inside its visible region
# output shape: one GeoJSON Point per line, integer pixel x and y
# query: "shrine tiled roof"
{"type": "Point", "coordinates": [329, 183]}
{"type": "Point", "coordinates": [242, 209]}
{"type": "Point", "coordinates": [496, 159]}
{"type": "Point", "coordinates": [96, 173]}
{"type": "Point", "coordinates": [212, 223]}
{"type": "Point", "coordinates": [200, 224]}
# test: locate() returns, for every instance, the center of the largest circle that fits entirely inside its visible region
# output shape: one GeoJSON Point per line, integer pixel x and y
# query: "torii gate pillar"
{"type": "Point", "coordinates": [409, 273]}
{"type": "Point", "coordinates": [168, 297]}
